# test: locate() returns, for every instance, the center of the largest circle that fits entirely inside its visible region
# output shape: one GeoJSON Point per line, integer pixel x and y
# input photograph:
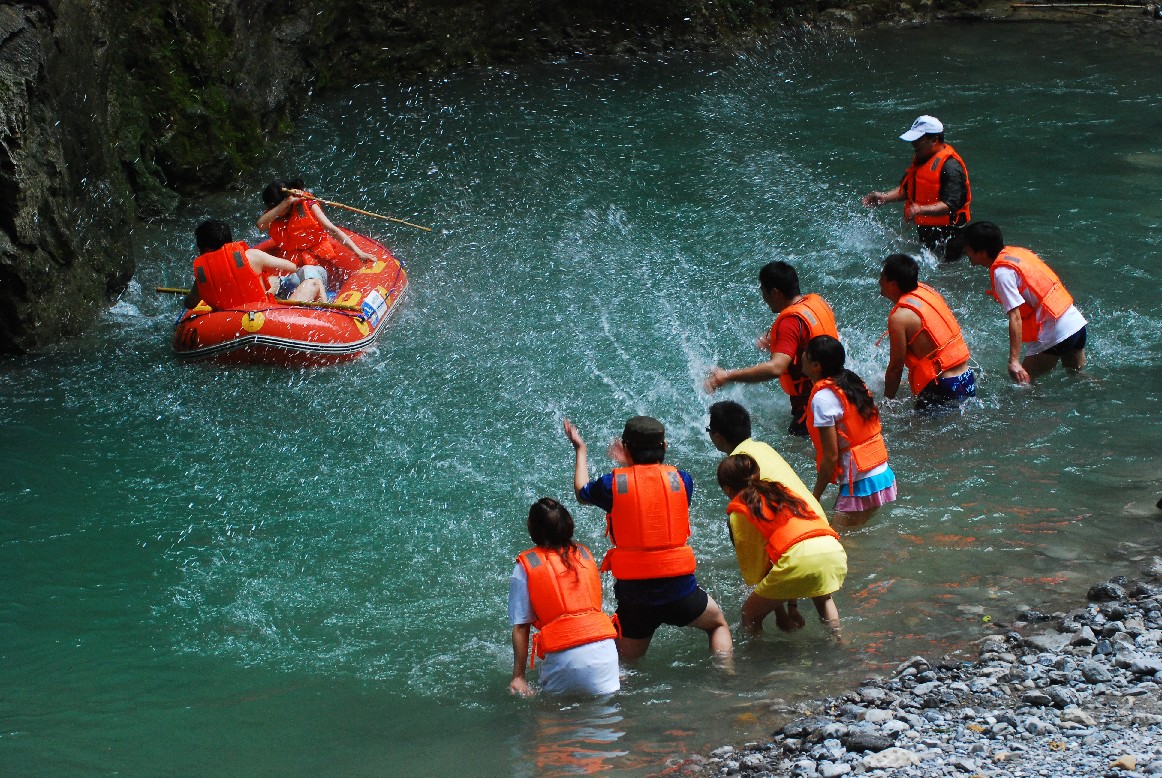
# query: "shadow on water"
{"type": "Point", "coordinates": [309, 569]}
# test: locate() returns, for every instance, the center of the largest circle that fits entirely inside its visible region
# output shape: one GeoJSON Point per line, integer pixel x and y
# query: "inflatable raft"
{"type": "Point", "coordinates": [365, 297]}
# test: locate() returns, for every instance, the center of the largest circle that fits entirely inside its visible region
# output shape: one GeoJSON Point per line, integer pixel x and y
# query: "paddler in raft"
{"type": "Point", "coordinates": [230, 274]}
{"type": "Point", "coordinates": [302, 231]}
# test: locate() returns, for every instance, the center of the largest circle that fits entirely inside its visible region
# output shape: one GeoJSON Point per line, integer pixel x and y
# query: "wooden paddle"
{"type": "Point", "coordinates": [309, 196]}
{"type": "Point", "coordinates": [299, 303]}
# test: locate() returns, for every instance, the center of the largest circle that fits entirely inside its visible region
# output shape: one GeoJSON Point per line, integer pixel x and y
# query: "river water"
{"type": "Point", "coordinates": [268, 572]}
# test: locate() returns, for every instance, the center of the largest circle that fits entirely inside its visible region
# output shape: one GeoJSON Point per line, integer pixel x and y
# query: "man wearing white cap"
{"type": "Point", "coordinates": [935, 190]}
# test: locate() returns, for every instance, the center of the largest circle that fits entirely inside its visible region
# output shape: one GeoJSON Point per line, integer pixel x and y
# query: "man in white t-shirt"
{"type": "Point", "coordinates": [1041, 312]}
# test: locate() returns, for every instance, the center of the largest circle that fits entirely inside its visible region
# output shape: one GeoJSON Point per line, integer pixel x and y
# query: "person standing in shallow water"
{"type": "Point", "coordinates": [1040, 310]}
{"type": "Point", "coordinates": [935, 190]}
{"type": "Point", "coordinates": [802, 556]}
{"type": "Point", "coordinates": [647, 505]}
{"type": "Point", "coordinates": [798, 318]}
{"type": "Point", "coordinates": [849, 442]}
{"type": "Point", "coordinates": [556, 588]}
{"type": "Point", "coordinates": [925, 337]}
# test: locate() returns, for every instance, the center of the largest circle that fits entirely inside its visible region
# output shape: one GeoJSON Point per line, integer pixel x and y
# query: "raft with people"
{"type": "Point", "coordinates": [362, 296]}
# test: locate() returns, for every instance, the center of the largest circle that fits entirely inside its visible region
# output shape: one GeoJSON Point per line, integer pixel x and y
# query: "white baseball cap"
{"type": "Point", "coordinates": [925, 125]}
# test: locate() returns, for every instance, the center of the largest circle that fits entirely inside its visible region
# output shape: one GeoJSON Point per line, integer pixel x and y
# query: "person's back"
{"type": "Point", "coordinates": [223, 275]}
{"type": "Point", "coordinates": [555, 588]}
{"type": "Point", "coordinates": [647, 521]}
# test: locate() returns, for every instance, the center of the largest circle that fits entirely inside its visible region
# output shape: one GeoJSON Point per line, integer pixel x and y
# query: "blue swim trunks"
{"type": "Point", "coordinates": [944, 392]}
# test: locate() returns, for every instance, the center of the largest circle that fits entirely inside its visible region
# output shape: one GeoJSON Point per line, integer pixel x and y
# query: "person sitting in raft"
{"type": "Point", "coordinates": [302, 231]}
{"type": "Point", "coordinates": [845, 428]}
{"type": "Point", "coordinates": [556, 588]}
{"type": "Point", "coordinates": [802, 556]}
{"type": "Point", "coordinates": [1040, 310]}
{"type": "Point", "coordinates": [647, 506]}
{"type": "Point", "coordinates": [924, 336]}
{"type": "Point", "coordinates": [229, 274]}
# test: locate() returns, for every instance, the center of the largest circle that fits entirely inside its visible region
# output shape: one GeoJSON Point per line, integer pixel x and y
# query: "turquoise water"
{"type": "Point", "coordinates": [270, 572]}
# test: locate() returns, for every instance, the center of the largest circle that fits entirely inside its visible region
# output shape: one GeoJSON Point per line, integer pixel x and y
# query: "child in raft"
{"type": "Point", "coordinates": [556, 588]}
{"type": "Point", "coordinates": [803, 559]}
{"type": "Point", "coordinates": [844, 425]}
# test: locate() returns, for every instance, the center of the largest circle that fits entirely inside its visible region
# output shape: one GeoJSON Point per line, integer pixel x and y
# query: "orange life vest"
{"type": "Point", "coordinates": [300, 234]}
{"type": "Point", "coordinates": [224, 278]}
{"type": "Point", "coordinates": [936, 319]}
{"type": "Point", "coordinates": [784, 529]}
{"type": "Point", "coordinates": [819, 319]}
{"type": "Point", "coordinates": [649, 525]}
{"type": "Point", "coordinates": [864, 437]}
{"type": "Point", "coordinates": [567, 601]}
{"type": "Point", "coordinates": [1037, 277]}
{"type": "Point", "coordinates": [922, 187]}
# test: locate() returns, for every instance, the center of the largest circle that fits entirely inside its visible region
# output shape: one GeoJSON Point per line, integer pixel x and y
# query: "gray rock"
{"type": "Point", "coordinates": [805, 768]}
{"type": "Point", "coordinates": [834, 730]}
{"type": "Point", "coordinates": [1083, 637]}
{"type": "Point", "coordinates": [725, 751]}
{"type": "Point", "coordinates": [804, 727]}
{"type": "Point", "coordinates": [1078, 716]}
{"type": "Point", "coordinates": [877, 716]}
{"type": "Point", "coordinates": [1037, 698]}
{"type": "Point", "coordinates": [891, 758]}
{"type": "Point", "coordinates": [1146, 665]}
{"type": "Point", "coordinates": [753, 761]}
{"type": "Point", "coordinates": [862, 740]}
{"type": "Point", "coordinates": [1106, 592]}
{"type": "Point", "coordinates": [963, 764]}
{"type": "Point", "coordinates": [1035, 726]}
{"type": "Point", "coordinates": [834, 769]}
{"type": "Point", "coordinates": [1095, 672]}
{"type": "Point", "coordinates": [1048, 641]}
{"type": "Point", "coordinates": [1062, 696]}
{"type": "Point", "coordinates": [872, 694]}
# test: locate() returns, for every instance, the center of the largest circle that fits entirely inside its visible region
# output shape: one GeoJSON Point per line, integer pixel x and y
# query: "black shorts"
{"type": "Point", "coordinates": [1075, 342]}
{"type": "Point", "coordinates": [639, 622]}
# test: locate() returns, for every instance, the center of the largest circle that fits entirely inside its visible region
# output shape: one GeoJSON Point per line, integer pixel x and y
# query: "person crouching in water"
{"type": "Point", "coordinates": [556, 588]}
{"type": "Point", "coordinates": [844, 424]}
{"type": "Point", "coordinates": [804, 558]}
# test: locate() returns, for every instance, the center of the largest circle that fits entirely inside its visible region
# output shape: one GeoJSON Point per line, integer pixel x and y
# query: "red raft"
{"type": "Point", "coordinates": [300, 335]}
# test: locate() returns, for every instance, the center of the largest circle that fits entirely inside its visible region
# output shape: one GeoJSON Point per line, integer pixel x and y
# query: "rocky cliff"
{"type": "Point", "coordinates": [111, 110]}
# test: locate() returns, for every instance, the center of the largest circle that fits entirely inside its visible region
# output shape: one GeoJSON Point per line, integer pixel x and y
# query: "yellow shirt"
{"type": "Point", "coordinates": [749, 545]}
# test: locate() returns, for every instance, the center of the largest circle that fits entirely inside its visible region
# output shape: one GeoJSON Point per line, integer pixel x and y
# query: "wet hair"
{"type": "Point", "coordinates": [984, 236]}
{"type": "Point", "coordinates": [781, 277]}
{"type": "Point", "coordinates": [645, 455]}
{"type": "Point", "coordinates": [902, 269]}
{"type": "Point", "coordinates": [739, 473]}
{"type": "Point", "coordinates": [212, 235]}
{"type": "Point", "coordinates": [830, 355]}
{"type": "Point", "coordinates": [551, 527]}
{"type": "Point", "coordinates": [273, 194]}
{"type": "Point", "coordinates": [730, 420]}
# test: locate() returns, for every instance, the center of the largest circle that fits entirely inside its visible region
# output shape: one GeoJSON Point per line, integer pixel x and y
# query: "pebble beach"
{"type": "Point", "coordinates": [1064, 694]}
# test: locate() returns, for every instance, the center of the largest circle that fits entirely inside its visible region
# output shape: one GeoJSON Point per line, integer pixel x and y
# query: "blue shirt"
{"type": "Point", "coordinates": [647, 591]}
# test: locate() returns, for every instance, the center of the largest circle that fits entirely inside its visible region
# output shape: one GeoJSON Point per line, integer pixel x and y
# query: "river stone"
{"type": "Point", "coordinates": [834, 769]}
{"type": "Point", "coordinates": [1061, 696]}
{"type": "Point", "coordinates": [1078, 716]}
{"type": "Point", "coordinates": [891, 758]}
{"type": "Point", "coordinates": [877, 716]}
{"type": "Point", "coordinates": [1037, 698]}
{"type": "Point", "coordinates": [804, 768]}
{"type": "Point", "coordinates": [1146, 665]}
{"type": "Point", "coordinates": [1106, 592]}
{"type": "Point", "coordinates": [1094, 672]}
{"type": "Point", "coordinates": [804, 727]}
{"type": "Point", "coordinates": [1051, 642]}
{"type": "Point", "coordinates": [872, 694]}
{"type": "Point", "coordinates": [1083, 637]}
{"type": "Point", "coordinates": [1035, 726]}
{"type": "Point", "coordinates": [861, 740]}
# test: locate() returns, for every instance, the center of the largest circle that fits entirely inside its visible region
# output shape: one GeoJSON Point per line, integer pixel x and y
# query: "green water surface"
{"type": "Point", "coordinates": [256, 571]}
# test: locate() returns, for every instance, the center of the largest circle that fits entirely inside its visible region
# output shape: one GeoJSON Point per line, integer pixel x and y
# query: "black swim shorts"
{"type": "Point", "coordinates": [639, 621]}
